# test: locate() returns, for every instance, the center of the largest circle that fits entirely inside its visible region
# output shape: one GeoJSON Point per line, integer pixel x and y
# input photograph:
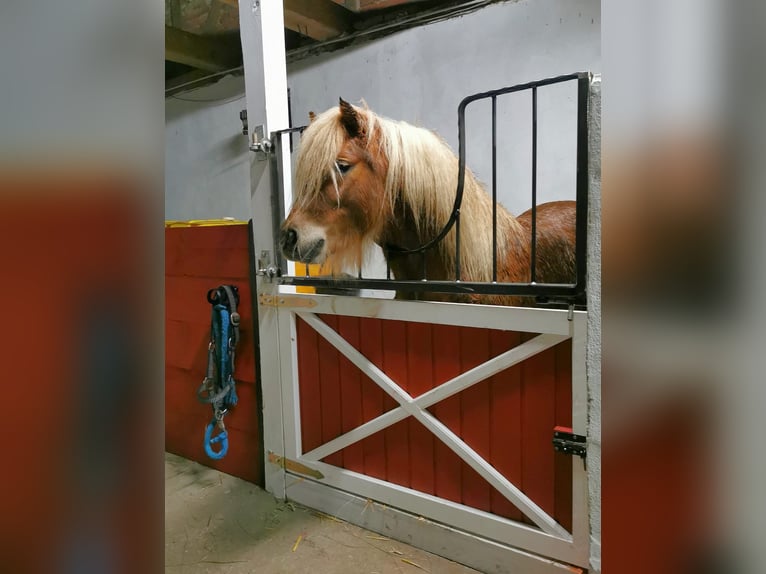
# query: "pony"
{"type": "Point", "coordinates": [362, 179]}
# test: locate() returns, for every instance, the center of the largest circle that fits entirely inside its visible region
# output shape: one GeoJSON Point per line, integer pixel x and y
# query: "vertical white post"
{"type": "Point", "coordinates": [580, 407]}
{"type": "Point", "coordinates": [263, 49]}
{"type": "Point", "coordinates": [593, 342]}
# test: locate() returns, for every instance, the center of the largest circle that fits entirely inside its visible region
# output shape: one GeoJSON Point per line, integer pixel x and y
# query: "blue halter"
{"type": "Point", "coordinates": [219, 388]}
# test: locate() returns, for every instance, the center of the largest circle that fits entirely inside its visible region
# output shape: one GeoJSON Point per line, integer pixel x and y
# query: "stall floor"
{"type": "Point", "coordinates": [217, 523]}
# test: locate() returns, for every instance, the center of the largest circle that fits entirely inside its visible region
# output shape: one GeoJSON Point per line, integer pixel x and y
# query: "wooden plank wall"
{"type": "Point", "coordinates": [508, 419]}
{"type": "Point", "coordinates": [198, 259]}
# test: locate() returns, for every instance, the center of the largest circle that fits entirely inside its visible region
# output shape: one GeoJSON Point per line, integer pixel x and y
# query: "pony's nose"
{"type": "Point", "coordinates": [289, 239]}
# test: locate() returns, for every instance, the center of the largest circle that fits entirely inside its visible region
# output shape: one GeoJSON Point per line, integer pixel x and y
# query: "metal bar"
{"type": "Point", "coordinates": [290, 117]}
{"type": "Point", "coordinates": [533, 252]}
{"type": "Point", "coordinates": [581, 209]}
{"type": "Point", "coordinates": [559, 290]}
{"type": "Point", "coordinates": [277, 199]}
{"type": "Point", "coordinates": [522, 87]}
{"type": "Point", "coordinates": [494, 188]}
{"type": "Point", "coordinates": [457, 246]}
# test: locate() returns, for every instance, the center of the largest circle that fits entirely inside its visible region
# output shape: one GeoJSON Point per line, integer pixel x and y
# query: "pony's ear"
{"type": "Point", "coordinates": [312, 117]}
{"type": "Point", "coordinates": [349, 118]}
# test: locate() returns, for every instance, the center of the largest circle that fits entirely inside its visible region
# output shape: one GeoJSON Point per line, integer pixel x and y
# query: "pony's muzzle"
{"type": "Point", "coordinates": [296, 250]}
{"type": "Point", "coordinates": [288, 239]}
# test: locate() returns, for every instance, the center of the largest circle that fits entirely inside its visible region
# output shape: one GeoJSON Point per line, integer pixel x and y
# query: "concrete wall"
{"type": "Point", "coordinates": [207, 169]}
{"type": "Point", "coordinates": [417, 75]}
{"type": "Point", "coordinates": [420, 75]}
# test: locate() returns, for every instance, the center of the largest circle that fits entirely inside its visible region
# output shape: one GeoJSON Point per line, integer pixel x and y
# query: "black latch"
{"type": "Point", "coordinates": [243, 119]}
{"type": "Point", "coordinates": [564, 440]}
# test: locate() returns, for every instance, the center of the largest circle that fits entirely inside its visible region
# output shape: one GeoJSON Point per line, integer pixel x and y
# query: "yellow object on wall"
{"type": "Point", "coordinates": [204, 222]}
{"type": "Point", "coordinates": [313, 271]}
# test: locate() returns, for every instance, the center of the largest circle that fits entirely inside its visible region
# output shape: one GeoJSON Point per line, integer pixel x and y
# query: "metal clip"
{"type": "Point", "coordinates": [265, 267]}
{"type": "Point", "coordinates": [260, 144]}
{"type": "Point", "coordinates": [269, 272]}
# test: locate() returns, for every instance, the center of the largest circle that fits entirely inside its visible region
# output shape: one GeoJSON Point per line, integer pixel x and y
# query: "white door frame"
{"type": "Point", "coordinates": [308, 479]}
{"type": "Point", "coordinates": [264, 61]}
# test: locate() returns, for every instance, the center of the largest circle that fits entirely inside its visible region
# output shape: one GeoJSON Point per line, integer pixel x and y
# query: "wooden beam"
{"type": "Point", "coordinates": [317, 19]}
{"type": "Point", "coordinates": [352, 5]}
{"type": "Point", "coordinates": [365, 5]}
{"type": "Point", "coordinates": [210, 53]}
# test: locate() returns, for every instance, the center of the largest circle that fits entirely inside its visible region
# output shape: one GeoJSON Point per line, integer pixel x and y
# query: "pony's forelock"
{"type": "Point", "coordinates": [320, 145]}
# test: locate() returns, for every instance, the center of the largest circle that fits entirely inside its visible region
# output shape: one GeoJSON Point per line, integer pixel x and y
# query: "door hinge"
{"type": "Point", "coordinates": [294, 466]}
{"type": "Point", "coordinates": [564, 440]}
{"type": "Point", "coordinates": [285, 301]}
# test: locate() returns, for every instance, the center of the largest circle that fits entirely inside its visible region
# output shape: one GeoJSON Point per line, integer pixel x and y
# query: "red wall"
{"type": "Point", "coordinates": [198, 259]}
{"type": "Point", "coordinates": [508, 419]}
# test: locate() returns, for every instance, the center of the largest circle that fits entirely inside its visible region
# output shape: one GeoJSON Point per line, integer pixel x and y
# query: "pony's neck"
{"type": "Point", "coordinates": [401, 232]}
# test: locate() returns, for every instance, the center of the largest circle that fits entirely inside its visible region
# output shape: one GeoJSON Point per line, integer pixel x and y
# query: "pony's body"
{"type": "Point", "coordinates": [362, 180]}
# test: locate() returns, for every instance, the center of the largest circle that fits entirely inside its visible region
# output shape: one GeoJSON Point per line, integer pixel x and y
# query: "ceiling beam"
{"type": "Point", "coordinates": [317, 19]}
{"type": "Point", "coordinates": [352, 5]}
{"type": "Point", "coordinates": [210, 53]}
{"type": "Point", "coordinates": [365, 5]}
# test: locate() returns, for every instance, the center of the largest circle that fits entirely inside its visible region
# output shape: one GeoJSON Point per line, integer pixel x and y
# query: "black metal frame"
{"type": "Point", "coordinates": [568, 293]}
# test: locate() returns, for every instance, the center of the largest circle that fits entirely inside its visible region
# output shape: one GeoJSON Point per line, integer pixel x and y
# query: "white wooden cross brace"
{"type": "Point", "coordinates": [409, 406]}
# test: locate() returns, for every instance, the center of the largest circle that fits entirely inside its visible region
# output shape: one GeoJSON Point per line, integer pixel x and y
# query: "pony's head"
{"type": "Point", "coordinates": [362, 179]}
{"type": "Point", "coordinates": [339, 203]}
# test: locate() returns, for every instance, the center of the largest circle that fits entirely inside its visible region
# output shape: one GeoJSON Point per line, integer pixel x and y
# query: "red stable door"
{"type": "Point", "coordinates": [199, 258]}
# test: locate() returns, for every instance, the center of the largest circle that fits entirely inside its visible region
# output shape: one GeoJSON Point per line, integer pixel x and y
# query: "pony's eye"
{"type": "Point", "coordinates": [342, 167]}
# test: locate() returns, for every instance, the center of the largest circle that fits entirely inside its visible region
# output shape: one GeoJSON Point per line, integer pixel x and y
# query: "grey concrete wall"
{"type": "Point", "coordinates": [417, 75]}
{"type": "Point", "coordinates": [207, 170]}
{"type": "Point", "coordinates": [420, 75]}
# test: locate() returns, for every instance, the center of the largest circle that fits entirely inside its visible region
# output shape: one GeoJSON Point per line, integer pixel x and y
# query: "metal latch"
{"type": "Point", "coordinates": [564, 440]}
{"type": "Point", "coordinates": [265, 266]}
{"type": "Point", "coordinates": [260, 144]}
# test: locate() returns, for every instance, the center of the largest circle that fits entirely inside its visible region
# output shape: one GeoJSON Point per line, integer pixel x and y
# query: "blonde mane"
{"type": "Point", "coordinates": [423, 174]}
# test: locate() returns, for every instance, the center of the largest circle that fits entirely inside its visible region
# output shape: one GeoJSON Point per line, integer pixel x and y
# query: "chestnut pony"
{"type": "Point", "coordinates": [362, 179]}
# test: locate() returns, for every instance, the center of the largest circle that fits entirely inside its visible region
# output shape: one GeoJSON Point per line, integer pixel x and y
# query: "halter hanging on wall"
{"type": "Point", "coordinates": [219, 387]}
